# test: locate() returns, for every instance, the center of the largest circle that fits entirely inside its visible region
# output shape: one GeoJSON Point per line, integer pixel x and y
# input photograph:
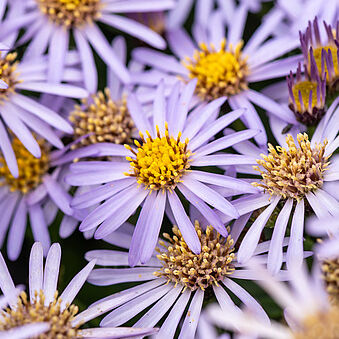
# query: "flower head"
{"type": "Point", "coordinates": [293, 172]}
{"type": "Point", "coordinates": [221, 64]}
{"type": "Point", "coordinates": [321, 58]}
{"type": "Point", "coordinates": [102, 119]}
{"type": "Point", "coordinates": [57, 315]}
{"type": "Point", "coordinates": [158, 169]}
{"type": "Point", "coordinates": [176, 281]}
{"type": "Point", "coordinates": [307, 97]}
{"type": "Point", "coordinates": [220, 72]}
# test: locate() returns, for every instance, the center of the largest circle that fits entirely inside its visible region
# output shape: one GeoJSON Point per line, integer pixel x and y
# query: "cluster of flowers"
{"type": "Point", "coordinates": [179, 137]}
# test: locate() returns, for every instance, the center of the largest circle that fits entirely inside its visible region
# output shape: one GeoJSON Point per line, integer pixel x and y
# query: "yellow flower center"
{"type": "Point", "coordinates": [104, 119]}
{"type": "Point", "coordinates": [330, 272]}
{"type": "Point", "coordinates": [193, 271]}
{"type": "Point", "coordinates": [8, 74]}
{"type": "Point", "coordinates": [294, 172]}
{"type": "Point", "coordinates": [71, 12]}
{"type": "Point", "coordinates": [317, 57]}
{"type": "Point", "coordinates": [161, 162]}
{"type": "Point", "coordinates": [219, 73]}
{"type": "Point", "coordinates": [305, 87]}
{"type": "Point", "coordinates": [31, 169]}
{"type": "Point", "coordinates": [26, 312]}
{"type": "Point", "coordinates": [323, 325]}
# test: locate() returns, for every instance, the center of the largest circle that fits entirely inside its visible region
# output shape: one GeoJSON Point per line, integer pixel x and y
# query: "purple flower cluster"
{"type": "Point", "coordinates": [202, 166]}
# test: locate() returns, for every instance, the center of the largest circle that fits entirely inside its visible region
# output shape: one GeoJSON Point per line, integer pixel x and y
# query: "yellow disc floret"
{"type": "Point", "coordinates": [103, 120]}
{"type": "Point", "coordinates": [26, 312]}
{"type": "Point", "coordinates": [194, 271]}
{"type": "Point", "coordinates": [317, 56]}
{"type": "Point", "coordinates": [322, 325]}
{"type": "Point", "coordinates": [8, 74]}
{"type": "Point", "coordinates": [70, 13]}
{"type": "Point", "coordinates": [220, 72]}
{"type": "Point", "coordinates": [31, 169]}
{"type": "Point", "coordinates": [161, 162]}
{"type": "Point", "coordinates": [305, 87]}
{"type": "Point", "coordinates": [294, 172]}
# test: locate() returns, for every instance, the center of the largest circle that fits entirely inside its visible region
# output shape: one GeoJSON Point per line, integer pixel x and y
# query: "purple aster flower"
{"type": "Point", "coordinates": [44, 306]}
{"type": "Point", "coordinates": [221, 65]}
{"type": "Point", "coordinates": [294, 177]}
{"type": "Point", "coordinates": [176, 279]}
{"type": "Point", "coordinates": [307, 310]}
{"type": "Point", "coordinates": [50, 23]}
{"type": "Point", "coordinates": [321, 59]}
{"type": "Point", "coordinates": [173, 148]}
{"type": "Point", "coordinates": [21, 114]}
{"type": "Point", "coordinates": [38, 192]}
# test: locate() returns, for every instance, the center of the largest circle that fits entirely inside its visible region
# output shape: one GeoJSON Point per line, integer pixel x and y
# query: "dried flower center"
{"type": "Point", "coordinates": [320, 326]}
{"type": "Point", "coordinates": [71, 13]}
{"type": "Point", "coordinates": [161, 162]}
{"type": "Point", "coordinates": [26, 312]}
{"type": "Point", "coordinates": [182, 266]}
{"type": "Point", "coordinates": [323, 65]}
{"type": "Point", "coordinates": [294, 172]}
{"type": "Point", "coordinates": [104, 119]}
{"type": "Point", "coordinates": [330, 271]}
{"type": "Point", "coordinates": [8, 74]}
{"type": "Point", "coordinates": [219, 73]}
{"type": "Point", "coordinates": [31, 169]}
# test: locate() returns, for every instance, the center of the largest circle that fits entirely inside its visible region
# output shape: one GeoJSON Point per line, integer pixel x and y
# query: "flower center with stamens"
{"type": "Point", "coordinates": [294, 172]}
{"type": "Point", "coordinates": [219, 73]}
{"type": "Point", "coordinates": [31, 169]}
{"type": "Point", "coordinates": [317, 56]}
{"type": "Point", "coordinates": [161, 162]}
{"type": "Point", "coordinates": [307, 111]}
{"type": "Point", "coordinates": [8, 74]}
{"type": "Point", "coordinates": [71, 13]}
{"type": "Point", "coordinates": [193, 271]}
{"type": "Point", "coordinates": [330, 273]}
{"type": "Point", "coordinates": [324, 325]}
{"type": "Point", "coordinates": [26, 312]}
{"type": "Point", "coordinates": [104, 119]}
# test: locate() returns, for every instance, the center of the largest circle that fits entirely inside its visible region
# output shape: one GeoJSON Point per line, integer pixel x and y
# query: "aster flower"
{"type": "Point", "coordinates": [159, 168]}
{"type": "Point", "coordinates": [308, 313]}
{"type": "Point", "coordinates": [221, 65]}
{"type": "Point", "coordinates": [319, 57]}
{"type": "Point", "coordinates": [50, 23]}
{"type": "Point", "coordinates": [38, 192]}
{"type": "Point", "coordinates": [21, 114]}
{"type": "Point", "coordinates": [44, 306]}
{"type": "Point", "coordinates": [176, 279]}
{"type": "Point", "coordinates": [293, 178]}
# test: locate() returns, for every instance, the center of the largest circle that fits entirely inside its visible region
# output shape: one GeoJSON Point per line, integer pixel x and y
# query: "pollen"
{"type": "Point", "coordinates": [8, 74]}
{"type": "Point", "coordinates": [330, 274]}
{"type": "Point", "coordinates": [220, 72]}
{"type": "Point", "coordinates": [323, 325]}
{"type": "Point", "coordinates": [71, 13]}
{"type": "Point", "coordinates": [294, 172]}
{"type": "Point", "coordinates": [26, 312]}
{"type": "Point", "coordinates": [159, 163]}
{"type": "Point", "coordinates": [181, 266]}
{"type": "Point", "coordinates": [31, 169]}
{"type": "Point", "coordinates": [103, 120]}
